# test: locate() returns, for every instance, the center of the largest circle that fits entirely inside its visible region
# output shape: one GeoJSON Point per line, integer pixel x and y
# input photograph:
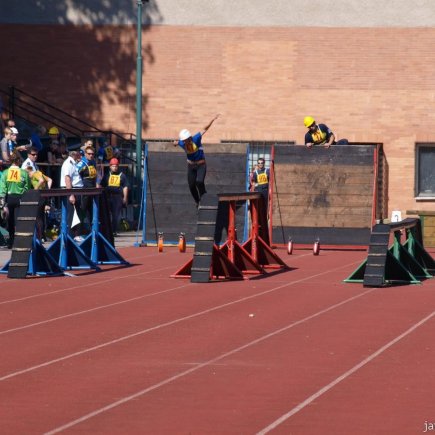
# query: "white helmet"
{"type": "Point", "coordinates": [185, 134]}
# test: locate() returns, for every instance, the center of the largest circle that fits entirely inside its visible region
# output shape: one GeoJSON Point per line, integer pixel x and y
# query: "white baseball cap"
{"type": "Point", "coordinates": [14, 130]}
{"type": "Point", "coordinates": [185, 134]}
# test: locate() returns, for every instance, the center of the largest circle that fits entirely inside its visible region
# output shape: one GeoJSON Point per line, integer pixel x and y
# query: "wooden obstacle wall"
{"type": "Point", "coordinates": [332, 194]}
{"type": "Point", "coordinates": [170, 207]}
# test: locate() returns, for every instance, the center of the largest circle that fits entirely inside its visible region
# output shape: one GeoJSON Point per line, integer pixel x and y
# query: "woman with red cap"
{"type": "Point", "coordinates": [116, 186]}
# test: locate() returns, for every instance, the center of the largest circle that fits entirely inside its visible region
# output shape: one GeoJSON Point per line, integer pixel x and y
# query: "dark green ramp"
{"type": "Point", "coordinates": [406, 263]}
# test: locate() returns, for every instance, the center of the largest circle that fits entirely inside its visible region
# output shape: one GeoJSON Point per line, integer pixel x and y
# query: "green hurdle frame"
{"type": "Point", "coordinates": [407, 263]}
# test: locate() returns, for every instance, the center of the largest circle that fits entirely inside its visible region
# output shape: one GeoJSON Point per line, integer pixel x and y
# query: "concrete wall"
{"type": "Point", "coordinates": [245, 13]}
{"type": "Point", "coordinates": [368, 81]}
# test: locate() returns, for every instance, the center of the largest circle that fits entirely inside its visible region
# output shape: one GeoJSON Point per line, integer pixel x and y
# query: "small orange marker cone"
{"type": "Point", "coordinates": [182, 242]}
{"type": "Point", "coordinates": [160, 242]}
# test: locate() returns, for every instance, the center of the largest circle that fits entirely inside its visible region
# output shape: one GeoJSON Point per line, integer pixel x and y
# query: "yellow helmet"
{"type": "Point", "coordinates": [53, 130]}
{"type": "Point", "coordinates": [309, 121]}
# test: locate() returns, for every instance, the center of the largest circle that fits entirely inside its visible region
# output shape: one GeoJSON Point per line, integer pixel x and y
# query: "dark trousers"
{"type": "Point", "coordinates": [88, 208]}
{"type": "Point", "coordinates": [13, 202]}
{"type": "Point", "coordinates": [264, 190]}
{"type": "Point", "coordinates": [88, 201]}
{"type": "Point", "coordinates": [195, 178]}
{"type": "Point", "coordinates": [40, 219]}
{"type": "Point", "coordinates": [115, 207]}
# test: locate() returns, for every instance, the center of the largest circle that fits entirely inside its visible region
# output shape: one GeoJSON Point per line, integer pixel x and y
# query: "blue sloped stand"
{"type": "Point", "coordinates": [69, 254]}
{"type": "Point", "coordinates": [40, 262]}
{"type": "Point", "coordinates": [100, 250]}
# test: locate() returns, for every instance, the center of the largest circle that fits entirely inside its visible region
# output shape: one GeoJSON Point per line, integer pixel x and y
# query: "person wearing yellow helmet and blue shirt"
{"type": "Point", "coordinates": [317, 134]}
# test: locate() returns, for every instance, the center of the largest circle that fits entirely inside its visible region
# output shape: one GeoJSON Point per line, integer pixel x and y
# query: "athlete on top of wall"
{"type": "Point", "coordinates": [317, 134]}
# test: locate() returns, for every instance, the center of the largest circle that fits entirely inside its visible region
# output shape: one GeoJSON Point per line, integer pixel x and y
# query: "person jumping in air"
{"type": "Point", "coordinates": [196, 165]}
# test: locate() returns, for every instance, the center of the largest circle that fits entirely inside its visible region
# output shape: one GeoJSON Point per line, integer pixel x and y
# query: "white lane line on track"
{"type": "Point", "coordinates": [170, 323]}
{"type": "Point", "coordinates": [90, 310]}
{"type": "Point", "coordinates": [89, 284]}
{"type": "Point", "coordinates": [201, 365]}
{"type": "Point", "coordinates": [17, 282]}
{"type": "Point", "coordinates": [345, 375]}
{"type": "Point", "coordinates": [19, 328]}
{"type": "Point", "coordinates": [9, 301]}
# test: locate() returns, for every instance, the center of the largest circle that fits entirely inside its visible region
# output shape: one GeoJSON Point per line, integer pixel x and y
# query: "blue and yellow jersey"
{"type": "Point", "coordinates": [87, 168]}
{"type": "Point", "coordinates": [195, 151]}
{"type": "Point", "coordinates": [261, 177]}
{"type": "Point", "coordinates": [320, 136]}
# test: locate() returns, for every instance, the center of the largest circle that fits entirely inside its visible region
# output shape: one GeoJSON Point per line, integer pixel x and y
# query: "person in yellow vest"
{"type": "Point", "coordinates": [260, 179]}
{"type": "Point", "coordinates": [14, 182]}
{"type": "Point", "coordinates": [116, 186]}
{"type": "Point", "coordinates": [317, 134]}
{"type": "Point", "coordinates": [40, 181]}
{"type": "Point", "coordinates": [87, 168]}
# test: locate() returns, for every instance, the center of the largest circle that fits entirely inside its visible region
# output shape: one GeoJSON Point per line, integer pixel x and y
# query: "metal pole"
{"type": "Point", "coordinates": [139, 99]}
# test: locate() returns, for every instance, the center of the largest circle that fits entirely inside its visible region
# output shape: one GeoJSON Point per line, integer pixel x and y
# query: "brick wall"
{"type": "Point", "coordinates": [367, 84]}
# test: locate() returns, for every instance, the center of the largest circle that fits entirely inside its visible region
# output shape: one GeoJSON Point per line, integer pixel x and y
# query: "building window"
{"type": "Point", "coordinates": [259, 148]}
{"type": "Point", "coordinates": [425, 171]}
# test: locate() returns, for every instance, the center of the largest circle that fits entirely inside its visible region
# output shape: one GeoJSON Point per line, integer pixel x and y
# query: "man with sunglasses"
{"type": "Point", "coordinates": [87, 168]}
{"type": "Point", "coordinates": [70, 179]}
{"type": "Point", "coordinates": [32, 156]}
{"type": "Point", "coordinates": [260, 179]}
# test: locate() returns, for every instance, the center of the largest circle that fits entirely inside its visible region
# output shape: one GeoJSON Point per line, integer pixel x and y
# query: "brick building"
{"type": "Point", "coordinates": [361, 67]}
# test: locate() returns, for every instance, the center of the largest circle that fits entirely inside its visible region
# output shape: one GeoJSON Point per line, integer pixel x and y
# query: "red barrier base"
{"type": "Point", "coordinates": [221, 268]}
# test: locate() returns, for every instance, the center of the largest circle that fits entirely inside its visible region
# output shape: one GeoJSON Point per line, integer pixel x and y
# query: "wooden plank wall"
{"type": "Point", "coordinates": [170, 206]}
{"type": "Point", "coordinates": [325, 193]}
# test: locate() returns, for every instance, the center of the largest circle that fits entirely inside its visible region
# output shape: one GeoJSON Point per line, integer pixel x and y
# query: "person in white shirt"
{"type": "Point", "coordinates": [70, 179]}
{"type": "Point", "coordinates": [32, 156]}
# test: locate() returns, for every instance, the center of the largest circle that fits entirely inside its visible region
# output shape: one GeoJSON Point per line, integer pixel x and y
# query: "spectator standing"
{"type": "Point", "coordinates": [54, 154]}
{"type": "Point", "coordinates": [9, 143]}
{"type": "Point", "coordinates": [39, 181]}
{"type": "Point", "coordinates": [105, 151]}
{"type": "Point", "coordinates": [14, 182]}
{"type": "Point", "coordinates": [6, 145]}
{"type": "Point", "coordinates": [55, 134]}
{"type": "Point", "coordinates": [55, 160]}
{"type": "Point", "coordinates": [88, 171]}
{"type": "Point", "coordinates": [116, 186]}
{"type": "Point", "coordinates": [260, 178]}
{"type": "Point", "coordinates": [32, 157]}
{"type": "Point", "coordinates": [70, 179]}
{"type": "Point", "coordinates": [39, 132]}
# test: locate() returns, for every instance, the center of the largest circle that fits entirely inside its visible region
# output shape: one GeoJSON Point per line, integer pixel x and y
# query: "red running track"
{"type": "Point", "coordinates": [132, 351]}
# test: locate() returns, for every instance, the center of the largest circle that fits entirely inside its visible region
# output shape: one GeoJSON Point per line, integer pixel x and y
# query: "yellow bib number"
{"type": "Point", "coordinates": [114, 180]}
{"type": "Point", "coordinates": [14, 175]}
{"type": "Point", "coordinates": [318, 136]}
{"type": "Point", "coordinates": [92, 171]}
{"type": "Point", "coordinates": [262, 178]}
{"type": "Point", "coordinates": [109, 152]}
